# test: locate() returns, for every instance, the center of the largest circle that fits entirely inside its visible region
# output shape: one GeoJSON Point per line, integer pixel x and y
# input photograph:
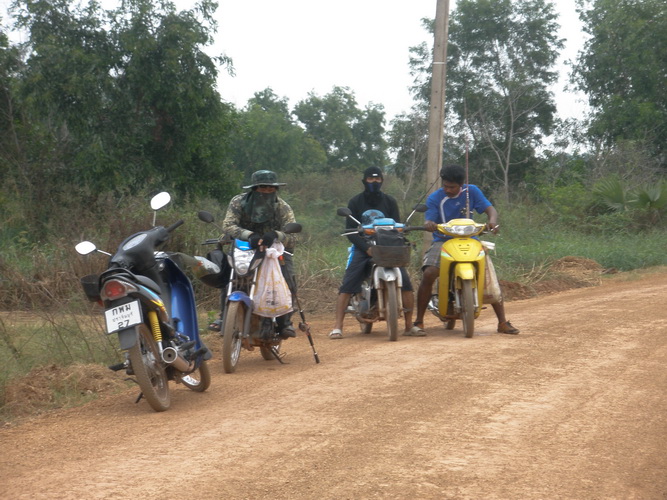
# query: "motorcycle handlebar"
{"type": "Point", "coordinates": [175, 225]}
{"type": "Point", "coordinates": [406, 229]}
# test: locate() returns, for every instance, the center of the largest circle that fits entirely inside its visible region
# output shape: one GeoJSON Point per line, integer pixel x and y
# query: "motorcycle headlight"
{"type": "Point", "coordinates": [242, 259]}
{"type": "Point", "coordinates": [461, 227]}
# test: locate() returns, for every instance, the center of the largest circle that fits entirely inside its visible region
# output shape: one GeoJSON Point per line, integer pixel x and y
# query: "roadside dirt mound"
{"type": "Point", "coordinates": [564, 274]}
{"type": "Point", "coordinates": [54, 386]}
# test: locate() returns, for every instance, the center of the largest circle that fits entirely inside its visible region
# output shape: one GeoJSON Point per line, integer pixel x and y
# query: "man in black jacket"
{"type": "Point", "coordinates": [371, 200]}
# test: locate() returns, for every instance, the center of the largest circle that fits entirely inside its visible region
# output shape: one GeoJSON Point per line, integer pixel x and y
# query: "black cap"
{"type": "Point", "coordinates": [373, 172]}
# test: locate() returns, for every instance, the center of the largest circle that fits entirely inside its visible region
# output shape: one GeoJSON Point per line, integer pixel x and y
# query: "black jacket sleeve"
{"type": "Point", "coordinates": [356, 207]}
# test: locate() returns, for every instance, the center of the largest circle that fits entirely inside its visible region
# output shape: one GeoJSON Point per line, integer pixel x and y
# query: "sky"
{"type": "Point", "coordinates": [301, 46]}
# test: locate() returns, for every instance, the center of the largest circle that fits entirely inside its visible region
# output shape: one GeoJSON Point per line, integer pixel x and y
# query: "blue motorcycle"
{"type": "Point", "coordinates": [381, 297]}
{"type": "Point", "coordinates": [149, 303]}
{"type": "Point", "coordinates": [241, 325]}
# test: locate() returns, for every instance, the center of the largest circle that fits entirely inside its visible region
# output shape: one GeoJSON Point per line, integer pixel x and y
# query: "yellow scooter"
{"type": "Point", "coordinates": [462, 272]}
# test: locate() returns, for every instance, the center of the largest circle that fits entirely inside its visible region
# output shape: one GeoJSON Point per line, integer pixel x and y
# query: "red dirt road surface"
{"type": "Point", "coordinates": [575, 407]}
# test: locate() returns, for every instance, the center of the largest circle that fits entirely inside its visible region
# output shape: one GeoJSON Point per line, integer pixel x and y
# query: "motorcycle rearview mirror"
{"type": "Point", "coordinates": [160, 200]}
{"type": "Point", "coordinates": [292, 227]}
{"type": "Point", "coordinates": [205, 216]}
{"type": "Point", "coordinates": [420, 207]}
{"type": "Point", "coordinates": [88, 247]}
{"type": "Point", "coordinates": [346, 212]}
{"type": "Point", "coordinates": [85, 247]}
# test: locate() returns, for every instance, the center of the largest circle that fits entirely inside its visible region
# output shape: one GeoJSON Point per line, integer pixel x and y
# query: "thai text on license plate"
{"type": "Point", "coordinates": [124, 316]}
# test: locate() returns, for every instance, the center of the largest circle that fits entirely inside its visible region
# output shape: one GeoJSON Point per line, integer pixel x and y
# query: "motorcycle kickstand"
{"type": "Point", "coordinates": [277, 355]}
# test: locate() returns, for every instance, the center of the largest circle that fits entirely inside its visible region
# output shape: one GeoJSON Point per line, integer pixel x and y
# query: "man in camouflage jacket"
{"type": "Point", "coordinates": [258, 216]}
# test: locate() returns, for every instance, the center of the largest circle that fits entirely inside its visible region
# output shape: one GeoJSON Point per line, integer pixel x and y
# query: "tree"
{"type": "Point", "coordinates": [126, 99]}
{"type": "Point", "coordinates": [408, 139]}
{"type": "Point", "coordinates": [501, 54]}
{"type": "Point", "coordinates": [351, 137]}
{"type": "Point", "coordinates": [621, 69]}
{"type": "Point", "coordinates": [267, 138]}
{"type": "Point", "coordinates": [10, 152]}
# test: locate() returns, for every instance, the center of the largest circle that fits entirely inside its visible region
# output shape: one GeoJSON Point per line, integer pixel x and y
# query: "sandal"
{"type": "Point", "coordinates": [216, 326]}
{"type": "Point", "coordinates": [336, 333]}
{"type": "Point", "coordinates": [506, 327]}
{"type": "Point", "coordinates": [415, 331]}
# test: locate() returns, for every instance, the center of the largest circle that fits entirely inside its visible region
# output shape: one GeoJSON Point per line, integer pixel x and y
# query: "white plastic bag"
{"type": "Point", "coordinates": [273, 297]}
{"type": "Point", "coordinates": [492, 292]}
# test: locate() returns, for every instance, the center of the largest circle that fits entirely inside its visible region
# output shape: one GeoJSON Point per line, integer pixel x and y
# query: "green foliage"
{"type": "Point", "coordinates": [119, 100]}
{"type": "Point", "coordinates": [569, 202]}
{"type": "Point", "coordinates": [621, 69]}
{"type": "Point", "coordinates": [612, 194]}
{"type": "Point", "coordinates": [267, 138]}
{"type": "Point", "coordinates": [351, 137]}
{"type": "Point", "coordinates": [651, 197]}
{"type": "Point", "coordinates": [408, 138]}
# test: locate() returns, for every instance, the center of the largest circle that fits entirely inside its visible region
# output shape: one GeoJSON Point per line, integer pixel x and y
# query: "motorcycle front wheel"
{"type": "Point", "coordinates": [199, 380]}
{"type": "Point", "coordinates": [147, 367]}
{"type": "Point", "coordinates": [231, 338]}
{"type": "Point", "coordinates": [467, 308]}
{"type": "Point", "coordinates": [392, 309]}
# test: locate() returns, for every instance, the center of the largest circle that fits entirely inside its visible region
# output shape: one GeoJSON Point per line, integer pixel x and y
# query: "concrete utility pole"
{"type": "Point", "coordinates": [436, 122]}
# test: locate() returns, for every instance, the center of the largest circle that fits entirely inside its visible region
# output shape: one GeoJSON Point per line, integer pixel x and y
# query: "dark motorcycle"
{"type": "Point", "coordinates": [149, 303]}
{"type": "Point", "coordinates": [241, 326]}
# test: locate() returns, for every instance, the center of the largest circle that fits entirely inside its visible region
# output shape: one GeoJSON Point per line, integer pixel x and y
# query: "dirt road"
{"type": "Point", "coordinates": [575, 407]}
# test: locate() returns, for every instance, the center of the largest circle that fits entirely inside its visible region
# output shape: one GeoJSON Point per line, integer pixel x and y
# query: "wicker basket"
{"type": "Point", "coordinates": [391, 256]}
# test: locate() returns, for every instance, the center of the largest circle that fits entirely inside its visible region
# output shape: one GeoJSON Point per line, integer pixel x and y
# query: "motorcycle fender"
{"type": "Point", "coordinates": [240, 297]}
{"type": "Point", "coordinates": [128, 338]}
{"type": "Point", "coordinates": [387, 274]}
{"type": "Point", "coordinates": [465, 271]}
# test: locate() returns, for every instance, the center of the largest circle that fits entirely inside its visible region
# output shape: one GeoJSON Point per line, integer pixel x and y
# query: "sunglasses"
{"type": "Point", "coordinates": [264, 186]}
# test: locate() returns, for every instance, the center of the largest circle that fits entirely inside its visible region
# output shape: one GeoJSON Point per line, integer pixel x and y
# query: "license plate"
{"type": "Point", "coordinates": [124, 316]}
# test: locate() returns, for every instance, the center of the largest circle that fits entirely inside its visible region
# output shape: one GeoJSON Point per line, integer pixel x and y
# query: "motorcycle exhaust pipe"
{"type": "Point", "coordinates": [173, 358]}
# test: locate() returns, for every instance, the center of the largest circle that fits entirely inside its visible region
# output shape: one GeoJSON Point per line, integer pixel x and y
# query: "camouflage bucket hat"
{"type": "Point", "coordinates": [264, 178]}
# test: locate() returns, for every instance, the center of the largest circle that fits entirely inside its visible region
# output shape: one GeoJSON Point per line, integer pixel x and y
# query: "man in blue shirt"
{"type": "Point", "coordinates": [445, 204]}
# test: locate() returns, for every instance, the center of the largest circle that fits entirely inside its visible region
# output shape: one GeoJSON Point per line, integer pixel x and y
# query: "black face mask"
{"type": "Point", "coordinates": [260, 206]}
{"type": "Point", "coordinates": [372, 187]}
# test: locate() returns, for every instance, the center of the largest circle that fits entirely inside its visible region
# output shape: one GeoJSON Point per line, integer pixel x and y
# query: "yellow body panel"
{"type": "Point", "coordinates": [466, 257]}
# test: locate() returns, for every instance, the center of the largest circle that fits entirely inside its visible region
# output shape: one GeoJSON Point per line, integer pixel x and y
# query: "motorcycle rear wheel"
{"type": "Point", "coordinates": [467, 308]}
{"type": "Point", "coordinates": [199, 380]}
{"type": "Point", "coordinates": [231, 338]}
{"type": "Point", "coordinates": [149, 370]}
{"type": "Point", "coordinates": [392, 310]}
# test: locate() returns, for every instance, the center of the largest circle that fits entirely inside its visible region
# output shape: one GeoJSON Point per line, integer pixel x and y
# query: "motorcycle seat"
{"type": "Point", "coordinates": [148, 283]}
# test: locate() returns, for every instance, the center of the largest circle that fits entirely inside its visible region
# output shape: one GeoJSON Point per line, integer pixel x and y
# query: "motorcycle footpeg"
{"type": "Point", "coordinates": [187, 345]}
{"type": "Point", "coordinates": [117, 367]}
{"type": "Point", "coordinates": [199, 352]}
